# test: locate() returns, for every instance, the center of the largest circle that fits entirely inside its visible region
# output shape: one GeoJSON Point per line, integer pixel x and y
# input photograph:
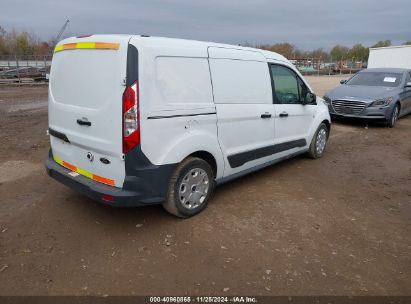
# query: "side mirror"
{"type": "Point", "coordinates": [310, 98]}
{"type": "Point", "coordinates": [344, 81]}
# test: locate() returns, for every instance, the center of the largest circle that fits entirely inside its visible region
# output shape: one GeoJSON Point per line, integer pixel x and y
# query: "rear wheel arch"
{"type": "Point", "coordinates": [207, 157]}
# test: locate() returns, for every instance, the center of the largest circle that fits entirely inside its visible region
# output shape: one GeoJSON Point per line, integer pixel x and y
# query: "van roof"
{"type": "Point", "coordinates": [159, 41]}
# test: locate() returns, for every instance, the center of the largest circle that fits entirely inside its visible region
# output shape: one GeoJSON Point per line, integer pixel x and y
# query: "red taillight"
{"type": "Point", "coordinates": [131, 113]}
{"type": "Point", "coordinates": [108, 198]}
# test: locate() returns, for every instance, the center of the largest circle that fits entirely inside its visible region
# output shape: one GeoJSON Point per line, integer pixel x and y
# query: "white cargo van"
{"type": "Point", "coordinates": [137, 120]}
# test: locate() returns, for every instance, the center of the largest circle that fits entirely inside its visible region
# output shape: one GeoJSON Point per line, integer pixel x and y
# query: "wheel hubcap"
{"type": "Point", "coordinates": [194, 188]}
{"type": "Point", "coordinates": [321, 141]}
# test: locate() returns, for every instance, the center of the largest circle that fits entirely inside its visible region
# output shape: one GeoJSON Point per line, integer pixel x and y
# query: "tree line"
{"type": "Point", "coordinates": [25, 43]}
{"type": "Point", "coordinates": [22, 43]}
{"type": "Point", "coordinates": [357, 52]}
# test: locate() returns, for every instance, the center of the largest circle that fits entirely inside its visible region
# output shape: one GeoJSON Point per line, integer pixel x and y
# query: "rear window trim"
{"type": "Point", "coordinates": [132, 65]}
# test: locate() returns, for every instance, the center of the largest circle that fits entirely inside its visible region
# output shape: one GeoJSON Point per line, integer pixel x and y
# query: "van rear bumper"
{"type": "Point", "coordinates": [141, 192]}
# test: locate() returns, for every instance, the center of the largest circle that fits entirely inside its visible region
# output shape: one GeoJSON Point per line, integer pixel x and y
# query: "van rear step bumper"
{"type": "Point", "coordinates": [108, 195]}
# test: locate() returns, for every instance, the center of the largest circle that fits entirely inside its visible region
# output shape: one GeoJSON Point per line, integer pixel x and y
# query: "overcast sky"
{"type": "Point", "coordinates": [307, 24]}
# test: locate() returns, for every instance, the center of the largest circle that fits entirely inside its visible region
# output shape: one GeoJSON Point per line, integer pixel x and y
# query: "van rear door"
{"type": "Point", "coordinates": [87, 81]}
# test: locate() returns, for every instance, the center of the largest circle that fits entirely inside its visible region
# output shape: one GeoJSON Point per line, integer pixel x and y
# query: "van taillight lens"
{"type": "Point", "coordinates": [131, 128]}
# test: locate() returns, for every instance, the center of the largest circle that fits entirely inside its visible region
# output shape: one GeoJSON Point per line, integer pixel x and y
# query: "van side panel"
{"type": "Point", "coordinates": [177, 112]}
{"type": "Point", "coordinates": [242, 94]}
{"type": "Point", "coordinates": [240, 82]}
{"type": "Point", "coordinates": [181, 83]}
{"type": "Point", "coordinates": [173, 139]}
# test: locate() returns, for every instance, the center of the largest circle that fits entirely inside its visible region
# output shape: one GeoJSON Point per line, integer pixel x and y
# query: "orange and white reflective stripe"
{"type": "Point", "coordinates": [87, 45]}
{"type": "Point", "coordinates": [85, 173]}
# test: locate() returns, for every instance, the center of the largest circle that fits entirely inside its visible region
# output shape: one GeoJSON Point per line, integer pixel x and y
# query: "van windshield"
{"type": "Point", "coordinates": [380, 79]}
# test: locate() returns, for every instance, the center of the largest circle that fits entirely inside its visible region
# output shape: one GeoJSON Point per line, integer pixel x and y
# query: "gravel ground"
{"type": "Point", "coordinates": [339, 225]}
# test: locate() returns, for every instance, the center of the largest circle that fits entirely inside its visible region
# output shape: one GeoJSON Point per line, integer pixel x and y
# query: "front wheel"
{"type": "Point", "coordinates": [394, 116]}
{"type": "Point", "coordinates": [190, 188]}
{"type": "Point", "coordinates": [319, 142]}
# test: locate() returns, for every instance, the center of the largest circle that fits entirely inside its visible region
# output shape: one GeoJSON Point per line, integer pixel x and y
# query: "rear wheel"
{"type": "Point", "coordinates": [394, 116]}
{"type": "Point", "coordinates": [319, 142]}
{"type": "Point", "coordinates": [190, 188]}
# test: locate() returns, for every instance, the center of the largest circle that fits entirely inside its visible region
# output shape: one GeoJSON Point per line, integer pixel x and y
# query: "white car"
{"type": "Point", "coordinates": [137, 120]}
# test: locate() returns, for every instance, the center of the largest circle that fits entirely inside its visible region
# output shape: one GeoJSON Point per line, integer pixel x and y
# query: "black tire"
{"type": "Point", "coordinates": [173, 203]}
{"type": "Point", "coordinates": [313, 152]}
{"type": "Point", "coordinates": [394, 116]}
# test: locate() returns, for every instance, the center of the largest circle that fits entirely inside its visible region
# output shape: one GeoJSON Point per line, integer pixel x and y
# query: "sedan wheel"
{"type": "Point", "coordinates": [394, 116]}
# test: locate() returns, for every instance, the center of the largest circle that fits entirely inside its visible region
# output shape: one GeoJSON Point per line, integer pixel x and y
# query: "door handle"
{"type": "Point", "coordinates": [284, 114]}
{"type": "Point", "coordinates": [82, 122]}
{"type": "Point", "coordinates": [266, 115]}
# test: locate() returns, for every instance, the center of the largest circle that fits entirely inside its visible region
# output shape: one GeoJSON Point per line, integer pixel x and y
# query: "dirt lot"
{"type": "Point", "coordinates": [339, 225]}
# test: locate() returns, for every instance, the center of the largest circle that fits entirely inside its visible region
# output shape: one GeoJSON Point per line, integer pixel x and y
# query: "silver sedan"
{"type": "Point", "coordinates": [378, 94]}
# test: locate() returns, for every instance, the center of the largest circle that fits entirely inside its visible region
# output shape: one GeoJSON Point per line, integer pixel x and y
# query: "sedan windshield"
{"type": "Point", "coordinates": [380, 79]}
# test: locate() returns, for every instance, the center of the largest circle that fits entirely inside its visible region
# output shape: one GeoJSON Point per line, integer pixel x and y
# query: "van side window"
{"type": "Point", "coordinates": [286, 85]}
